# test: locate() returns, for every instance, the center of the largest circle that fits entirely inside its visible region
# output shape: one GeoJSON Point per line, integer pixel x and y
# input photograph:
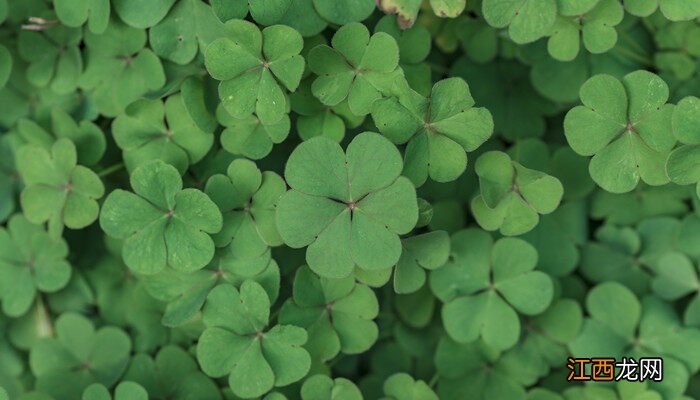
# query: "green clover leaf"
{"type": "Point", "coordinates": [338, 314]}
{"type": "Point", "coordinates": [428, 251]}
{"type": "Point", "coordinates": [344, 12]}
{"type": "Point", "coordinates": [626, 127]}
{"type": "Point", "coordinates": [89, 140]}
{"type": "Point", "coordinates": [30, 261]}
{"type": "Point", "coordinates": [678, 49]}
{"type": "Point", "coordinates": [185, 293]}
{"type": "Point", "coordinates": [359, 68]}
{"type": "Point", "coordinates": [78, 356]}
{"type": "Point", "coordinates": [264, 13]}
{"type": "Point", "coordinates": [448, 8]}
{"type": "Point", "coordinates": [57, 189]}
{"type": "Point", "coordinates": [316, 119]}
{"type": "Point", "coordinates": [161, 223]}
{"type": "Point", "coordinates": [527, 20]}
{"type": "Point", "coordinates": [142, 15]}
{"type": "Point", "coordinates": [439, 130]}
{"type": "Point", "coordinates": [152, 130]}
{"type": "Point", "coordinates": [596, 27]}
{"type": "Point", "coordinates": [402, 386]}
{"type": "Point", "coordinates": [9, 177]}
{"type": "Point", "coordinates": [76, 13]}
{"type": "Point", "coordinates": [235, 343]}
{"type": "Point", "coordinates": [249, 136]}
{"type": "Point", "coordinates": [322, 387]}
{"type": "Point", "coordinates": [188, 28]}
{"type": "Point", "coordinates": [253, 68]}
{"type": "Point", "coordinates": [247, 199]}
{"type": "Point", "coordinates": [677, 277]}
{"type": "Point", "coordinates": [172, 374]}
{"type": "Point", "coordinates": [512, 197]}
{"type": "Point", "coordinates": [124, 391]}
{"type": "Point", "coordinates": [347, 207]}
{"type": "Point", "coordinates": [645, 201]}
{"type": "Point", "coordinates": [54, 57]}
{"type": "Point", "coordinates": [406, 11]}
{"type": "Point", "coordinates": [119, 69]}
{"type": "Point", "coordinates": [681, 165]}
{"type": "Point", "coordinates": [675, 10]}
{"type": "Point", "coordinates": [501, 281]}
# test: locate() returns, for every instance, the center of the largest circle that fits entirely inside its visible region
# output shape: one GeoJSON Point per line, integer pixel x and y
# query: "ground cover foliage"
{"type": "Point", "coordinates": [347, 199]}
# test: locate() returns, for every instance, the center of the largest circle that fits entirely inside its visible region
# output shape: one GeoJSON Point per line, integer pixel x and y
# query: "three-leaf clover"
{"type": "Point", "coordinates": [359, 67]}
{"type": "Point", "coordinates": [682, 163]}
{"type": "Point", "coordinates": [152, 130]}
{"type": "Point", "coordinates": [512, 197]}
{"type": "Point", "coordinates": [348, 207]}
{"type": "Point", "coordinates": [594, 26]}
{"type": "Point", "coordinates": [235, 342]}
{"type": "Point", "coordinates": [78, 356]}
{"type": "Point", "coordinates": [161, 223]}
{"type": "Point", "coordinates": [485, 283]}
{"type": "Point", "coordinates": [119, 70]}
{"type": "Point", "coordinates": [253, 68]}
{"type": "Point", "coordinates": [527, 20]}
{"type": "Point", "coordinates": [30, 261]}
{"type": "Point", "coordinates": [57, 189]}
{"type": "Point", "coordinates": [337, 313]}
{"type": "Point", "coordinates": [322, 387]}
{"type": "Point", "coordinates": [247, 199]}
{"type": "Point", "coordinates": [626, 127]}
{"type": "Point", "coordinates": [439, 130]}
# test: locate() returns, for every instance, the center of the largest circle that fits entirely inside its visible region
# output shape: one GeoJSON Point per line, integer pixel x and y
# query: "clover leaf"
{"type": "Point", "coordinates": [672, 9]}
{"type": "Point", "coordinates": [30, 260]}
{"type": "Point", "coordinates": [88, 138]}
{"type": "Point", "coordinates": [678, 48]}
{"type": "Point", "coordinates": [439, 130]}
{"type": "Point", "coordinates": [620, 325]}
{"type": "Point", "coordinates": [626, 127]}
{"type": "Point", "coordinates": [161, 223]}
{"type": "Point", "coordinates": [501, 280]}
{"type": "Point", "coordinates": [58, 190]}
{"type": "Point", "coordinates": [347, 207]}
{"type": "Point", "coordinates": [428, 251]}
{"type": "Point", "coordinates": [236, 344]}
{"type": "Point", "coordinates": [681, 164]}
{"type": "Point", "coordinates": [185, 293]}
{"type": "Point", "coordinates": [406, 11]}
{"type": "Point", "coordinates": [338, 314]}
{"type": "Point", "coordinates": [119, 70]}
{"type": "Point", "coordinates": [402, 386]}
{"type": "Point", "coordinates": [140, 15]}
{"type": "Point", "coordinates": [359, 67]}
{"type": "Point", "coordinates": [267, 13]}
{"type": "Point", "coordinates": [54, 57]}
{"type": "Point", "coordinates": [322, 387]}
{"type": "Point", "coordinates": [247, 199]}
{"type": "Point", "coordinates": [595, 26]}
{"type": "Point", "coordinates": [172, 374]}
{"type": "Point", "coordinates": [249, 136]}
{"type": "Point", "coordinates": [677, 277]}
{"type": "Point", "coordinates": [152, 130]}
{"type": "Point", "coordinates": [189, 27]}
{"type": "Point", "coordinates": [527, 20]}
{"type": "Point", "coordinates": [9, 177]}
{"type": "Point", "coordinates": [78, 356]}
{"type": "Point", "coordinates": [95, 13]}
{"type": "Point", "coordinates": [511, 196]}
{"type": "Point", "coordinates": [124, 391]}
{"type": "Point", "coordinates": [265, 62]}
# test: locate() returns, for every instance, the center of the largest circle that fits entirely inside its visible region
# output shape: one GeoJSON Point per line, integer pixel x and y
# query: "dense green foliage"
{"type": "Point", "coordinates": [347, 199]}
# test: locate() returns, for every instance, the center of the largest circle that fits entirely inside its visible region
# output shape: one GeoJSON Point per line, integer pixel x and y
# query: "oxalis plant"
{"type": "Point", "coordinates": [349, 199]}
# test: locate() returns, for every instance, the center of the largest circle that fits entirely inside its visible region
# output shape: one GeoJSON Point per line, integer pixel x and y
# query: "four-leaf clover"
{"type": "Point", "coordinates": [348, 207]}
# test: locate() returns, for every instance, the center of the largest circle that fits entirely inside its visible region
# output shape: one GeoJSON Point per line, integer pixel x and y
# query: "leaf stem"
{"type": "Point", "coordinates": [110, 170]}
{"type": "Point", "coordinates": [434, 380]}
